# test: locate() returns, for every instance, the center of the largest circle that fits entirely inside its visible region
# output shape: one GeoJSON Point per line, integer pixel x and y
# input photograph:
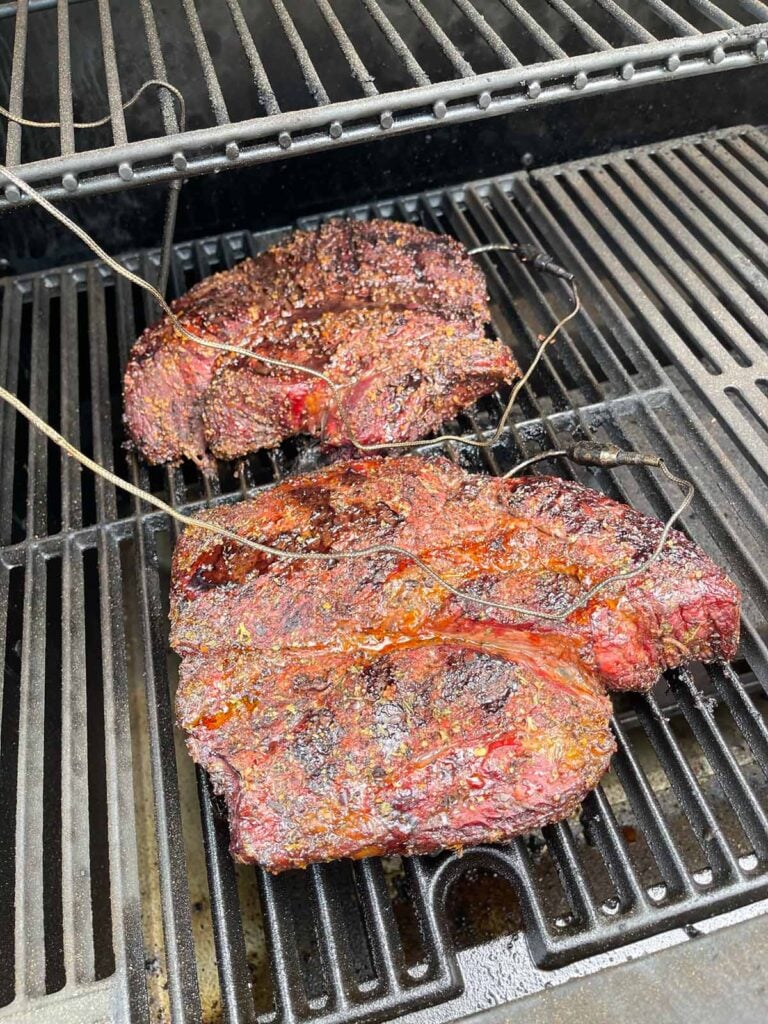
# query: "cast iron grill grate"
{"type": "Point", "coordinates": [266, 78]}
{"type": "Point", "coordinates": [118, 895]}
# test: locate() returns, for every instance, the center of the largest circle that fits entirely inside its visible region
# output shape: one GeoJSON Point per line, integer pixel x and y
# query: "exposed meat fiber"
{"type": "Point", "coordinates": [265, 303]}
{"type": "Point", "coordinates": [357, 707]}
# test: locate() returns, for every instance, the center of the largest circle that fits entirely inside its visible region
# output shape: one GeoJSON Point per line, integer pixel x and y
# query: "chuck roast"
{"type": "Point", "coordinates": [355, 707]}
{"type": "Point", "coordinates": [377, 265]}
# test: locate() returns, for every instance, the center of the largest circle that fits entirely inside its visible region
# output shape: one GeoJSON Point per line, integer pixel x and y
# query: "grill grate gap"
{"type": "Point", "coordinates": [253, 934]}
{"type": "Point", "coordinates": [87, 480]}
{"type": "Point", "coordinates": [404, 909]}
{"type": "Point", "coordinates": [104, 957]}
{"type": "Point", "coordinates": [54, 418]}
{"type": "Point", "coordinates": [20, 478]}
{"type": "Point", "coordinates": [55, 977]}
{"type": "Point", "coordinates": [482, 906]}
{"type": "Point", "coordinates": [9, 755]}
{"type": "Point", "coordinates": [115, 383]}
{"type": "Point", "coordinates": [155, 968]}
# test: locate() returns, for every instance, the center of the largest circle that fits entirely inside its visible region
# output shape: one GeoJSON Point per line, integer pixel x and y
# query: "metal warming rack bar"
{"type": "Point", "coordinates": [294, 78]}
{"type": "Point", "coordinates": [117, 883]}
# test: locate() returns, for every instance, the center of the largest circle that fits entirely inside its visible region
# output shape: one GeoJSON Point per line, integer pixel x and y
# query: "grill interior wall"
{"type": "Point", "coordinates": [676, 833]}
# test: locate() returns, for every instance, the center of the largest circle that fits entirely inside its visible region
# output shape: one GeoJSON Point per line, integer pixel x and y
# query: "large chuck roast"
{"type": "Point", "coordinates": [355, 707]}
{"type": "Point", "coordinates": [421, 303]}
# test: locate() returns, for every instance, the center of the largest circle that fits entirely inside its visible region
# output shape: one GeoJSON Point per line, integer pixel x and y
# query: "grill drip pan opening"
{"type": "Point", "coordinates": [119, 899]}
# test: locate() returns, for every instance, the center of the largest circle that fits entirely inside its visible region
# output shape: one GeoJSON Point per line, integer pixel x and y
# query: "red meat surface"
{"type": "Point", "coordinates": [343, 265]}
{"type": "Point", "coordinates": [398, 375]}
{"type": "Point", "coordinates": [357, 706]}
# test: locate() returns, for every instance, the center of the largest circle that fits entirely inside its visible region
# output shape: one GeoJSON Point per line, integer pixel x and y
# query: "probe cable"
{"type": "Point", "coordinates": [158, 83]}
{"type": "Point", "coordinates": [582, 454]}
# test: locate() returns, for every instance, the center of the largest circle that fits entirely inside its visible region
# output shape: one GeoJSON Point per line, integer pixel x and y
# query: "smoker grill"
{"type": "Point", "coordinates": [118, 899]}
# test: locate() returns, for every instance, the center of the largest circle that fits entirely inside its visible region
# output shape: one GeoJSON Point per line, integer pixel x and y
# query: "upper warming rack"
{"type": "Point", "coordinates": [269, 78]}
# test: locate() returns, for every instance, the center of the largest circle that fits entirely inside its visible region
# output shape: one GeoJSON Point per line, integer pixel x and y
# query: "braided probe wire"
{"type": "Point", "coordinates": [158, 83]}
{"type": "Point", "coordinates": [379, 549]}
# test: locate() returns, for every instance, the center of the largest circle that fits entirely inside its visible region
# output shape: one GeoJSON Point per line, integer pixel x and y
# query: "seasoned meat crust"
{"type": "Point", "coordinates": [355, 707]}
{"type": "Point", "coordinates": [349, 755]}
{"type": "Point", "coordinates": [399, 375]}
{"type": "Point", "coordinates": [342, 265]}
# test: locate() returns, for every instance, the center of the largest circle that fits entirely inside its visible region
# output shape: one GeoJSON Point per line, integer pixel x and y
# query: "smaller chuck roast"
{"type": "Point", "coordinates": [392, 314]}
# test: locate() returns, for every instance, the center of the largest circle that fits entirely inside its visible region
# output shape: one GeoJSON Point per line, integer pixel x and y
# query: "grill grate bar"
{"type": "Point", "coordinates": [747, 180]}
{"type": "Point", "coordinates": [633, 257]}
{"type": "Point", "coordinates": [718, 181]}
{"type": "Point", "coordinates": [386, 947]}
{"type": "Point", "coordinates": [577, 889]}
{"type": "Point", "coordinates": [9, 367]}
{"type": "Point", "coordinates": [16, 98]}
{"type": "Point", "coordinates": [112, 74]}
{"type": "Point", "coordinates": [513, 222]}
{"type": "Point", "coordinates": [432, 925]}
{"type": "Point", "coordinates": [308, 69]}
{"type": "Point", "coordinates": [215, 95]}
{"type": "Point", "coordinates": [127, 937]}
{"type": "Point", "coordinates": [263, 86]}
{"type": "Point", "coordinates": [106, 503]}
{"type": "Point", "coordinates": [687, 790]}
{"type": "Point", "coordinates": [4, 588]}
{"type": "Point", "coordinates": [746, 716]}
{"type": "Point", "coordinates": [537, 32]}
{"type": "Point", "coordinates": [454, 55]}
{"type": "Point", "coordinates": [170, 121]}
{"type": "Point", "coordinates": [290, 999]}
{"type": "Point", "coordinates": [75, 852]}
{"type": "Point", "coordinates": [494, 40]}
{"type": "Point", "coordinates": [589, 190]}
{"type": "Point", "coordinates": [627, 22]}
{"type": "Point", "coordinates": [347, 47]}
{"type": "Point", "coordinates": [714, 497]}
{"type": "Point", "coordinates": [715, 13]}
{"type": "Point", "coordinates": [622, 337]}
{"type": "Point", "coordinates": [37, 446]}
{"type": "Point", "coordinates": [180, 959]}
{"type": "Point", "coordinates": [66, 115]}
{"type": "Point", "coordinates": [755, 8]}
{"type": "Point", "coordinates": [395, 40]}
{"type": "Point", "coordinates": [599, 822]}
{"type": "Point", "coordinates": [681, 26]}
{"type": "Point", "coordinates": [503, 294]}
{"type": "Point", "coordinates": [669, 197]}
{"type": "Point", "coordinates": [69, 388]}
{"type": "Point", "coordinates": [330, 928]}
{"type": "Point", "coordinates": [585, 30]}
{"type": "Point", "coordinates": [692, 176]}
